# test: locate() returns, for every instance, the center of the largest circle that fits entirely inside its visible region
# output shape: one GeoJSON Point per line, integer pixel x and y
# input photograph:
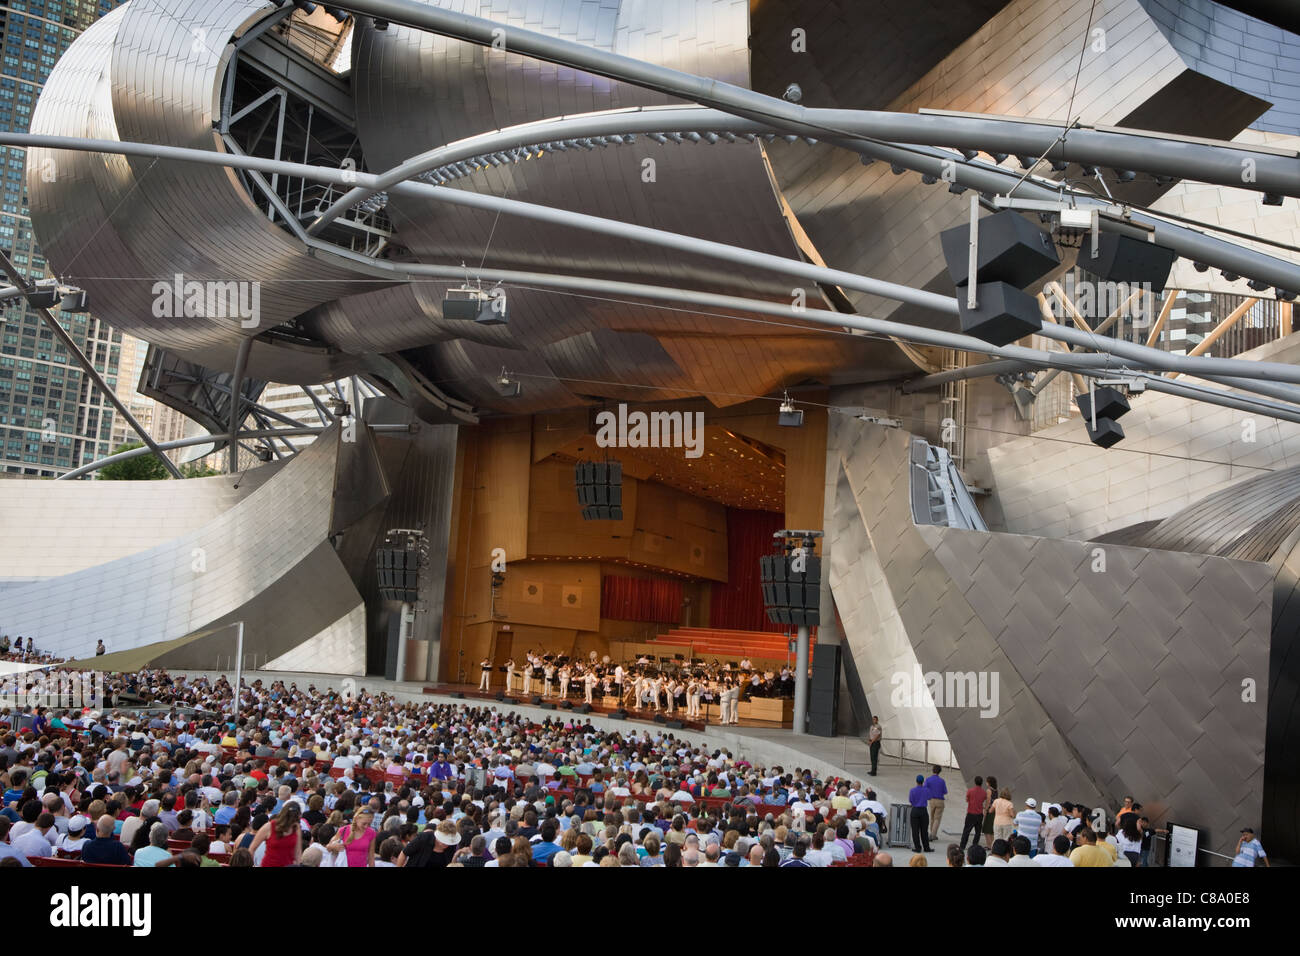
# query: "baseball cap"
{"type": "Point", "coordinates": [77, 824]}
{"type": "Point", "coordinates": [1031, 802]}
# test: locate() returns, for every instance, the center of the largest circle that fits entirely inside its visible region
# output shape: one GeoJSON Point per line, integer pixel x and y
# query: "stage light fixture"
{"type": "Point", "coordinates": [508, 387]}
{"type": "Point", "coordinates": [789, 416]}
{"type": "Point", "coordinates": [1272, 199]}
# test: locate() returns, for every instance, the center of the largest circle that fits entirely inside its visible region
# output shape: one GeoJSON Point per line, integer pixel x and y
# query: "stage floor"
{"type": "Point", "coordinates": [471, 691]}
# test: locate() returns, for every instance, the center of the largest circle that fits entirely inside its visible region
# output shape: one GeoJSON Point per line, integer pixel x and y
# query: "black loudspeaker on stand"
{"type": "Point", "coordinates": [824, 691]}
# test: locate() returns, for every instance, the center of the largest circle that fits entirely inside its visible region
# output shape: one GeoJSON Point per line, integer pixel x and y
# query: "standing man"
{"type": "Point", "coordinates": [1028, 824]}
{"type": "Point", "coordinates": [873, 738]}
{"type": "Point", "coordinates": [938, 791]}
{"type": "Point", "coordinates": [564, 682]}
{"type": "Point", "coordinates": [1249, 850]}
{"type": "Point", "coordinates": [590, 682]}
{"type": "Point", "coordinates": [919, 798]}
{"type": "Point", "coordinates": [693, 697]}
{"type": "Point", "coordinates": [976, 805]}
{"type": "Point", "coordinates": [528, 675]}
{"type": "Point", "coordinates": [548, 674]}
{"type": "Point", "coordinates": [485, 681]}
{"type": "Point", "coordinates": [510, 675]}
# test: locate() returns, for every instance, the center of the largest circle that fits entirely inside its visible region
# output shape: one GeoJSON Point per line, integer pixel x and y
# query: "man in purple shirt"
{"type": "Point", "coordinates": [938, 790]}
{"type": "Point", "coordinates": [919, 797]}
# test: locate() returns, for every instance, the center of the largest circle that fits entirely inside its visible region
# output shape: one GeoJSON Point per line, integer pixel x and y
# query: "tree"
{"type": "Point", "coordinates": [141, 468]}
{"type": "Point", "coordinates": [198, 470]}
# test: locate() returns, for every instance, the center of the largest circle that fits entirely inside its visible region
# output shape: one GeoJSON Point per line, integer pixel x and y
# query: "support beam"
{"type": "Point", "coordinates": [801, 681]}
{"type": "Point", "coordinates": [86, 365]}
{"type": "Point", "coordinates": [1221, 329]}
{"type": "Point", "coordinates": [1207, 161]}
{"type": "Point", "coordinates": [1204, 247]}
{"type": "Point", "coordinates": [212, 439]}
{"type": "Point", "coordinates": [237, 409]}
{"type": "Point", "coordinates": [1170, 298]}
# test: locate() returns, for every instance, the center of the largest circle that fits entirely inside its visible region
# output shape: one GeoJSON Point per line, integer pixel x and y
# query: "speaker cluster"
{"type": "Point", "coordinates": [399, 572]}
{"type": "Point", "coordinates": [1012, 254]}
{"type": "Point", "coordinates": [600, 490]}
{"type": "Point", "coordinates": [791, 584]}
{"type": "Point", "coordinates": [1110, 404]}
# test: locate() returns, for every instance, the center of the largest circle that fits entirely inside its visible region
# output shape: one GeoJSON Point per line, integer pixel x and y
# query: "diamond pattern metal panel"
{"type": "Point", "coordinates": [1112, 681]}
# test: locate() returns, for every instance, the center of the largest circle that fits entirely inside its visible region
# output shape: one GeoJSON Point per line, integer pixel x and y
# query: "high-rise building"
{"type": "Point", "coordinates": [52, 418]}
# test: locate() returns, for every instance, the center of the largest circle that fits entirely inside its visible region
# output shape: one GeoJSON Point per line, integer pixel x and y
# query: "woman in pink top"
{"type": "Point", "coordinates": [358, 839]}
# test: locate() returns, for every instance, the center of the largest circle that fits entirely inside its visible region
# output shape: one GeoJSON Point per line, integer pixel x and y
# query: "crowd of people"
{"type": "Point", "coordinates": [186, 775]}
{"type": "Point", "coordinates": [290, 776]}
{"type": "Point", "coordinates": [24, 651]}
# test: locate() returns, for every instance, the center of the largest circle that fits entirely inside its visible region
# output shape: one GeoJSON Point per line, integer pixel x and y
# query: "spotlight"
{"type": "Point", "coordinates": [1229, 276]}
{"type": "Point", "coordinates": [467, 302]}
{"type": "Point", "coordinates": [788, 415]}
{"type": "Point", "coordinates": [339, 15]}
{"type": "Point", "coordinates": [74, 300]}
{"type": "Point", "coordinates": [1257, 285]}
{"type": "Point", "coordinates": [1027, 162]}
{"type": "Point", "coordinates": [928, 179]}
{"type": "Point", "coordinates": [1126, 175]}
{"type": "Point", "coordinates": [896, 169]}
{"type": "Point", "coordinates": [380, 24]}
{"type": "Point", "coordinates": [1059, 166]}
{"type": "Point", "coordinates": [508, 387]}
{"type": "Point", "coordinates": [999, 158]}
{"type": "Point", "coordinates": [1286, 295]}
{"type": "Point", "coordinates": [1272, 199]}
{"type": "Point", "coordinates": [1200, 267]}
{"type": "Point", "coordinates": [956, 188]}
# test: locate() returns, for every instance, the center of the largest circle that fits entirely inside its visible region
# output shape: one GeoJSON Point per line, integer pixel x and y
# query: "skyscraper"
{"type": "Point", "coordinates": [52, 419]}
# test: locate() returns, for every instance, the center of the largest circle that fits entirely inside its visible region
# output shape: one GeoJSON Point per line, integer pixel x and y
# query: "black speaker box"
{"type": "Point", "coordinates": [583, 708]}
{"type": "Point", "coordinates": [566, 705]}
{"type": "Point", "coordinates": [548, 707]}
{"type": "Point", "coordinates": [824, 703]}
{"type": "Point", "coordinates": [660, 718]}
{"type": "Point", "coordinates": [536, 699]}
{"type": "Point", "coordinates": [501, 695]}
{"type": "Point", "coordinates": [1002, 314]}
{"type": "Point", "coordinates": [675, 725]}
{"type": "Point", "coordinates": [619, 714]}
{"type": "Point", "coordinates": [1107, 433]}
{"type": "Point", "coordinates": [1111, 403]}
{"type": "Point", "coordinates": [1011, 249]}
{"type": "Point", "coordinates": [1125, 259]}
{"type": "Point", "coordinates": [458, 695]}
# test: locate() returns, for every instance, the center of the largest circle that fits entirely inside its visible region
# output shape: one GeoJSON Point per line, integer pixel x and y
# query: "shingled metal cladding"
{"type": "Point", "coordinates": [1122, 681]}
{"type": "Point", "coordinates": [152, 72]}
{"type": "Point", "coordinates": [264, 558]}
{"type": "Point", "coordinates": [1256, 520]}
{"type": "Point", "coordinates": [155, 72]}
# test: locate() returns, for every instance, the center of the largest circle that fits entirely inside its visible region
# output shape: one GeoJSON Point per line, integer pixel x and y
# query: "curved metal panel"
{"type": "Point", "coordinates": [155, 75]}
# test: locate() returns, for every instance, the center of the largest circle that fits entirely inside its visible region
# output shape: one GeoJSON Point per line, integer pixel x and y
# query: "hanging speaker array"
{"type": "Point", "coordinates": [1012, 254]}
{"type": "Point", "coordinates": [399, 572]}
{"type": "Point", "coordinates": [1110, 405]}
{"type": "Point", "coordinates": [792, 588]}
{"type": "Point", "coordinates": [600, 490]}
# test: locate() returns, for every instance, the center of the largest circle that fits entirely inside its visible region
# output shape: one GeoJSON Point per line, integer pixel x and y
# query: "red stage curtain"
{"type": "Point", "coordinates": [739, 603]}
{"type": "Point", "coordinates": [640, 599]}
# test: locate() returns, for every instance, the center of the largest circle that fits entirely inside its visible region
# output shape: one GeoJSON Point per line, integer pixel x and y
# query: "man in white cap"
{"type": "Point", "coordinates": [75, 838]}
{"type": "Point", "coordinates": [1028, 822]}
